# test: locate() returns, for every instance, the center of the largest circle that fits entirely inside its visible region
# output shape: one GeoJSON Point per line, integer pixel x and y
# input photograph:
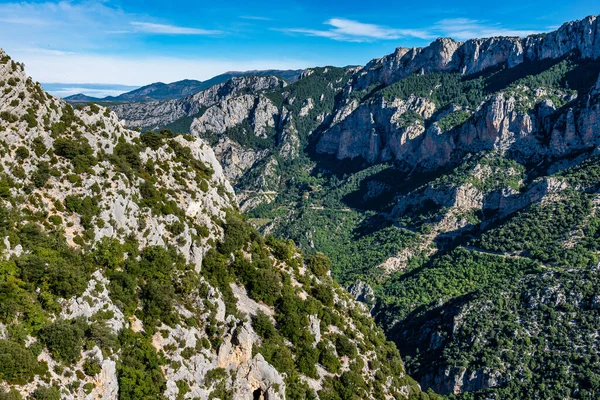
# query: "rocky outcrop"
{"type": "Point", "coordinates": [459, 380]}
{"type": "Point", "coordinates": [362, 292]}
{"type": "Point", "coordinates": [518, 120]}
{"type": "Point", "coordinates": [235, 159]}
{"type": "Point", "coordinates": [154, 115]}
{"type": "Point", "coordinates": [120, 210]}
{"type": "Point", "coordinates": [476, 55]}
{"type": "Point", "coordinates": [378, 130]}
{"type": "Point", "coordinates": [371, 132]}
{"type": "Point", "coordinates": [258, 111]}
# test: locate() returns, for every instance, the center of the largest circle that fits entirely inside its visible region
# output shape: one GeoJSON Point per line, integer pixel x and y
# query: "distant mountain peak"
{"type": "Point", "coordinates": [159, 91]}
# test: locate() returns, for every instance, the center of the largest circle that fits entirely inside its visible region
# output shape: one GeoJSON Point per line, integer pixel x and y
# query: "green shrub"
{"type": "Point", "coordinates": [30, 118]}
{"type": "Point", "coordinates": [138, 369]}
{"type": "Point", "coordinates": [46, 393]}
{"type": "Point", "coordinates": [17, 364]}
{"type": "Point", "coordinates": [41, 174]}
{"type": "Point", "coordinates": [307, 359]}
{"type": "Point", "coordinates": [328, 359]}
{"type": "Point", "coordinates": [263, 326]}
{"type": "Point", "coordinates": [278, 355]}
{"type": "Point", "coordinates": [78, 151]}
{"type": "Point", "coordinates": [345, 347]}
{"type": "Point", "coordinates": [22, 153]}
{"type": "Point", "coordinates": [123, 291]}
{"type": "Point", "coordinates": [13, 394]}
{"type": "Point", "coordinates": [157, 298]}
{"type": "Point", "coordinates": [265, 286]}
{"type": "Point", "coordinates": [8, 117]}
{"type": "Point", "coordinates": [297, 389]}
{"type": "Point", "coordinates": [319, 264]}
{"type": "Point", "coordinates": [324, 294]}
{"type": "Point", "coordinates": [92, 367]}
{"type": "Point", "coordinates": [129, 154]}
{"type": "Point", "coordinates": [155, 140]}
{"type": "Point", "coordinates": [281, 250]}
{"type": "Point", "coordinates": [237, 234]}
{"type": "Point", "coordinates": [64, 339]}
{"type": "Point", "coordinates": [55, 220]}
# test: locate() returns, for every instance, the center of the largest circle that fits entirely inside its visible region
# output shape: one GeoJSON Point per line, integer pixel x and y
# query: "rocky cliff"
{"type": "Point", "coordinates": [450, 186]}
{"type": "Point", "coordinates": [153, 115]}
{"type": "Point", "coordinates": [519, 119]}
{"type": "Point", "coordinates": [127, 272]}
{"type": "Point", "coordinates": [477, 55]}
{"type": "Point", "coordinates": [377, 118]}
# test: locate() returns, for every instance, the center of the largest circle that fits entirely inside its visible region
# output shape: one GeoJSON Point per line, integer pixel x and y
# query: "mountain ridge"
{"type": "Point", "coordinates": [454, 189]}
{"type": "Point", "coordinates": [158, 91]}
{"type": "Point", "coordinates": [449, 185]}
{"type": "Point", "coordinates": [127, 272]}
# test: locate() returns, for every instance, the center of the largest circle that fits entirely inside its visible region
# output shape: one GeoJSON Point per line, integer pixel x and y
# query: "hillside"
{"type": "Point", "coordinates": [178, 114]}
{"type": "Point", "coordinates": [128, 272]}
{"type": "Point", "coordinates": [160, 91]}
{"type": "Point", "coordinates": [454, 188]}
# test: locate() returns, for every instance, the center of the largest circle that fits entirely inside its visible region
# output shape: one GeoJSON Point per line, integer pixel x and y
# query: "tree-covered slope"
{"type": "Point", "coordinates": [128, 273]}
{"type": "Point", "coordinates": [448, 185]}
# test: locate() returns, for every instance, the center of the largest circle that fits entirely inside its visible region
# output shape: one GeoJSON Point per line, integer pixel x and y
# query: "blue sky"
{"type": "Point", "coordinates": [136, 42]}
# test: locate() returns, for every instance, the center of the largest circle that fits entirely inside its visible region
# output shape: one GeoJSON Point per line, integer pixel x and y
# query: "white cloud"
{"type": "Point", "coordinates": [256, 18]}
{"type": "Point", "coordinates": [464, 29]}
{"type": "Point", "coordinates": [61, 25]}
{"type": "Point", "coordinates": [353, 31]}
{"type": "Point", "coordinates": [137, 71]}
{"type": "Point", "coordinates": [346, 27]}
{"type": "Point", "coordinates": [149, 27]}
{"type": "Point", "coordinates": [92, 41]}
{"type": "Point", "coordinates": [18, 20]}
{"type": "Point", "coordinates": [458, 28]}
{"type": "Point", "coordinates": [88, 25]}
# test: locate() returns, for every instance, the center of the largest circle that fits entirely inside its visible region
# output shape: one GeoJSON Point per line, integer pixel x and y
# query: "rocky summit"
{"type": "Point", "coordinates": [454, 188]}
{"type": "Point", "coordinates": [266, 238]}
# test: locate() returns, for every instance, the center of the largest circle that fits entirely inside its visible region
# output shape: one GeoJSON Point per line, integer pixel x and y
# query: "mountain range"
{"type": "Point", "coordinates": [454, 188]}
{"type": "Point", "coordinates": [167, 91]}
{"type": "Point", "coordinates": [425, 226]}
{"type": "Point", "coordinates": [128, 272]}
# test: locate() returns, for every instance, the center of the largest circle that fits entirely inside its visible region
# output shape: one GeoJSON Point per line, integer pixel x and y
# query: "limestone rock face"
{"type": "Point", "coordinates": [160, 113]}
{"type": "Point", "coordinates": [260, 111]}
{"type": "Point", "coordinates": [236, 160]}
{"type": "Point", "coordinates": [378, 130]}
{"type": "Point", "coordinates": [372, 132]}
{"type": "Point", "coordinates": [362, 292]}
{"type": "Point", "coordinates": [256, 118]}
{"type": "Point", "coordinates": [459, 380]}
{"type": "Point", "coordinates": [476, 55]}
{"type": "Point", "coordinates": [120, 211]}
{"type": "Point", "coordinates": [368, 130]}
{"type": "Point", "coordinates": [259, 379]}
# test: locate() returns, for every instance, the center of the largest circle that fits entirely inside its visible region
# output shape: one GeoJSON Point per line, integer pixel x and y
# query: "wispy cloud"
{"type": "Point", "coordinates": [458, 28]}
{"type": "Point", "coordinates": [63, 24]}
{"type": "Point", "coordinates": [354, 31]}
{"type": "Point", "coordinates": [256, 18]}
{"type": "Point", "coordinates": [18, 20]}
{"type": "Point", "coordinates": [83, 24]}
{"type": "Point", "coordinates": [148, 27]}
{"type": "Point", "coordinates": [464, 28]}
